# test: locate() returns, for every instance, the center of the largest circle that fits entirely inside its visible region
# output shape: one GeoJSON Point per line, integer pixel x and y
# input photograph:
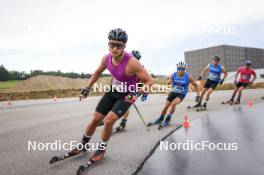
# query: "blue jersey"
{"type": "Point", "coordinates": [215, 72]}
{"type": "Point", "coordinates": [180, 84]}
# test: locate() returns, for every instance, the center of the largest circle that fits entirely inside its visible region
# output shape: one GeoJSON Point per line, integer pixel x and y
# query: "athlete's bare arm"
{"type": "Point", "coordinates": [135, 68]}
{"type": "Point", "coordinates": [169, 80]}
{"type": "Point", "coordinates": [205, 70]}
{"type": "Point", "coordinates": [225, 72]}
{"type": "Point", "coordinates": [237, 73]}
{"type": "Point", "coordinates": [254, 78]}
{"type": "Point", "coordinates": [96, 75]}
{"type": "Point", "coordinates": [192, 81]}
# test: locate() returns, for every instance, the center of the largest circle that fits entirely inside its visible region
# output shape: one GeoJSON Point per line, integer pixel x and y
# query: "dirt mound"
{"type": "Point", "coordinates": [46, 82]}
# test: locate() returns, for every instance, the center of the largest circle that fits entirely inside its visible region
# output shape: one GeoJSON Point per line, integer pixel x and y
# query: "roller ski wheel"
{"type": "Point", "coordinates": [72, 153]}
{"type": "Point", "coordinates": [98, 155]}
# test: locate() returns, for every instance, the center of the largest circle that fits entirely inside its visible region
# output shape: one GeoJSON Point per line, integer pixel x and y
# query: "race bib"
{"type": "Point", "coordinates": [213, 75]}
{"type": "Point", "coordinates": [245, 77]}
{"type": "Point", "coordinates": [178, 89]}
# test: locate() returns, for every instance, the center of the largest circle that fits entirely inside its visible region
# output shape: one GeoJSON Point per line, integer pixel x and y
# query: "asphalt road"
{"type": "Point", "coordinates": [45, 121]}
{"type": "Point", "coordinates": [238, 132]}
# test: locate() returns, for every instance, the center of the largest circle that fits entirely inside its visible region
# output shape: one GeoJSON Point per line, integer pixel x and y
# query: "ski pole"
{"type": "Point", "coordinates": [141, 116]}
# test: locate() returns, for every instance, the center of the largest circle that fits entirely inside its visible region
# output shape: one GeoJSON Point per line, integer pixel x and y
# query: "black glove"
{"type": "Point", "coordinates": [197, 98]}
{"type": "Point", "coordinates": [85, 92]}
{"type": "Point", "coordinates": [200, 78]}
{"type": "Point", "coordinates": [221, 81]}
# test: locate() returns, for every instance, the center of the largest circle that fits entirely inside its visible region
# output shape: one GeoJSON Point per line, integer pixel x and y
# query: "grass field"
{"type": "Point", "coordinates": [7, 84]}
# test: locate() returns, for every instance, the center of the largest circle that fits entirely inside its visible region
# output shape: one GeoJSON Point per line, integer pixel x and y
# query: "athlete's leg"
{"type": "Point", "coordinates": [126, 115]}
{"type": "Point", "coordinates": [201, 99]}
{"type": "Point", "coordinates": [173, 105]}
{"type": "Point", "coordinates": [234, 94]}
{"type": "Point", "coordinates": [170, 98]}
{"type": "Point", "coordinates": [109, 121]}
{"type": "Point", "coordinates": [120, 107]}
{"type": "Point", "coordinates": [122, 124]}
{"type": "Point", "coordinates": [208, 84]}
{"type": "Point", "coordinates": [165, 108]}
{"type": "Point", "coordinates": [209, 92]}
{"type": "Point", "coordinates": [97, 118]}
{"type": "Point", "coordinates": [89, 131]}
{"type": "Point", "coordinates": [240, 93]}
{"type": "Point", "coordinates": [102, 109]}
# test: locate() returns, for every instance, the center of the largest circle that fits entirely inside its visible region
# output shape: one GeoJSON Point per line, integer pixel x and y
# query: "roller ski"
{"type": "Point", "coordinates": [237, 102]}
{"type": "Point", "coordinates": [156, 122]}
{"type": "Point", "coordinates": [231, 102]}
{"type": "Point", "coordinates": [166, 123]}
{"type": "Point", "coordinates": [98, 155]}
{"type": "Point", "coordinates": [195, 106]}
{"type": "Point", "coordinates": [201, 108]}
{"type": "Point", "coordinates": [227, 102]}
{"type": "Point", "coordinates": [72, 153]}
{"type": "Point", "coordinates": [83, 147]}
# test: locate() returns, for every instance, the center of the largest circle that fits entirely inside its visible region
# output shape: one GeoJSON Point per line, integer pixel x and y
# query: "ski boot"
{"type": "Point", "coordinates": [237, 102]}
{"type": "Point", "coordinates": [231, 102]}
{"type": "Point", "coordinates": [122, 125]}
{"type": "Point", "coordinates": [197, 105]}
{"type": "Point", "coordinates": [204, 106]}
{"type": "Point", "coordinates": [83, 147]}
{"type": "Point", "coordinates": [167, 121]}
{"type": "Point", "coordinates": [157, 121]}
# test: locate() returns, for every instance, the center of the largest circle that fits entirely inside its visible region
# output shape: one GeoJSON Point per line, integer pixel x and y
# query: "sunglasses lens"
{"type": "Point", "coordinates": [119, 46]}
{"type": "Point", "coordinates": [181, 69]}
{"type": "Point", "coordinates": [111, 45]}
{"type": "Point", "coordinates": [115, 45]}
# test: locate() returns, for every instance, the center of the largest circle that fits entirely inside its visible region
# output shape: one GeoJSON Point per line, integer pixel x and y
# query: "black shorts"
{"type": "Point", "coordinates": [172, 96]}
{"type": "Point", "coordinates": [210, 84]}
{"type": "Point", "coordinates": [115, 102]}
{"type": "Point", "coordinates": [239, 84]}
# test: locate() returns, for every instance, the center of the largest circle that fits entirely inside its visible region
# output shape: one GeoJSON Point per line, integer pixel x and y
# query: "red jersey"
{"type": "Point", "coordinates": [245, 74]}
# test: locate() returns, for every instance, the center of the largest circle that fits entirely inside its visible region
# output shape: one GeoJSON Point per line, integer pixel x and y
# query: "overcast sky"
{"type": "Point", "coordinates": [71, 35]}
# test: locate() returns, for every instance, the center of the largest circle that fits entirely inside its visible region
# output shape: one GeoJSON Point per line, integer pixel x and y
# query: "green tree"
{"type": "Point", "coordinates": [4, 74]}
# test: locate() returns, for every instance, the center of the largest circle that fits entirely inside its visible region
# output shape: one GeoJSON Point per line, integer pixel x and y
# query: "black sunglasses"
{"type": "Point", "coordinates": [116, 45]}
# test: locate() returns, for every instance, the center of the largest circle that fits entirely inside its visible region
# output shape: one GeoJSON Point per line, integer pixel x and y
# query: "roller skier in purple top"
{"type": "Point", "coordinates": [126, 72]}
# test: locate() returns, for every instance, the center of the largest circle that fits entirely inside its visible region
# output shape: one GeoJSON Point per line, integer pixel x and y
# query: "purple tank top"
{"type": "Point", "coordinates": [119, 73]}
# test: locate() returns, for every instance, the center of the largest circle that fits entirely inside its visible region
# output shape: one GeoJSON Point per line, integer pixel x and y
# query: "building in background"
{"type": "Point", "coordinates": [232, 57]}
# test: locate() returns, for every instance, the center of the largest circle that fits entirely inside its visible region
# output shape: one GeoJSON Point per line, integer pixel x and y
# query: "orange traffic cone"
{"type": "Point", "coordinates": [9, 103]}
{"type": "Point", "coordinates": [186, 122]}
{"type": "Point", "coordinates": [55, 98]}
{"type": "Point", "coordinates": [250, 103]}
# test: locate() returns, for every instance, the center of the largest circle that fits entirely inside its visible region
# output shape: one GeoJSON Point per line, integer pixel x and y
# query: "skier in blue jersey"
{"type": "Point", "coordinates": [214, 78]}
{"type": "Point", "coordinates": [180, 82]}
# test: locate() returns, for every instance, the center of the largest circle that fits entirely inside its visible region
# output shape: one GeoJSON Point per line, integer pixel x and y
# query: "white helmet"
{"type": "Point", "coordinates": [182, 64]}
